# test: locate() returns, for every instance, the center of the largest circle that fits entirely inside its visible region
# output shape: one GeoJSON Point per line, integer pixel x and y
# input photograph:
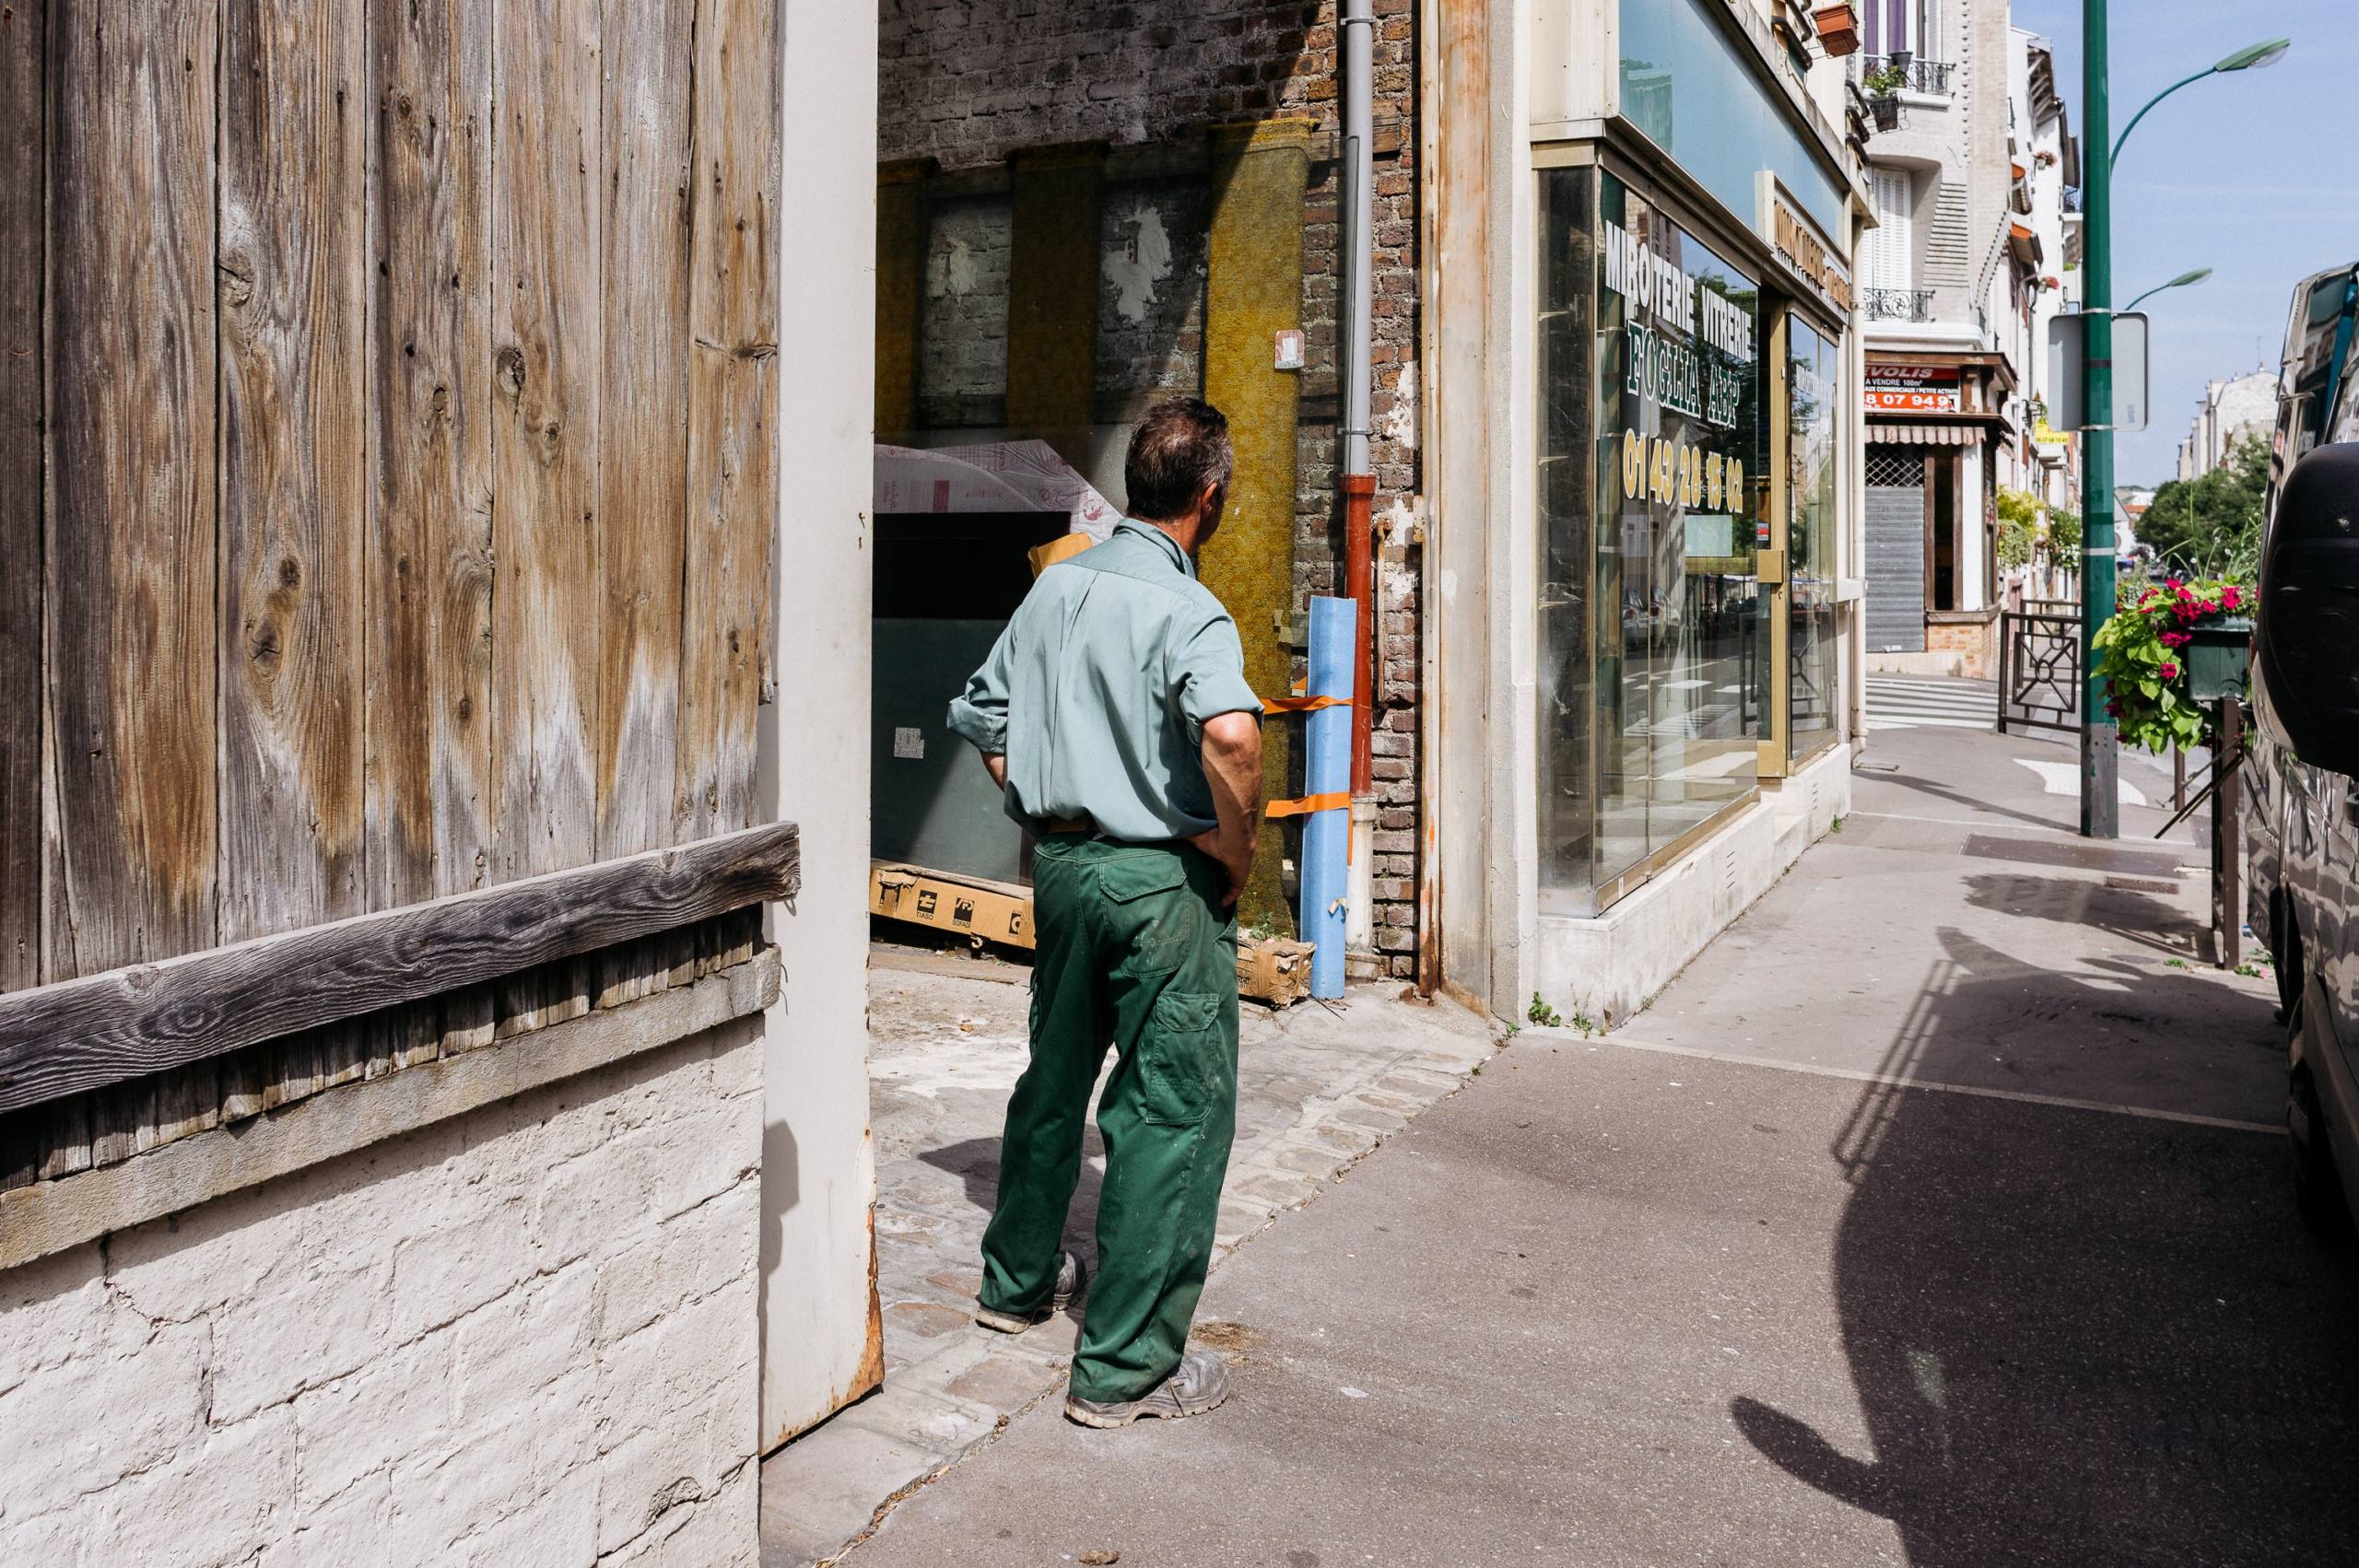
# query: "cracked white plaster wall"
{"type": "Point", "coordinates": [1139, 260]}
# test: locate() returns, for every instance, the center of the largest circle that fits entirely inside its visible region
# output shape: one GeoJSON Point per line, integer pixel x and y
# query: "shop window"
{"type": "Point", "coordinates": [1813, 399]}
{"type": "Point", "coordinates": [1651, 491]}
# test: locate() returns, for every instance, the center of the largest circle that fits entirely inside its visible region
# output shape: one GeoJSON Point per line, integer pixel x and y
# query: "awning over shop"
{"type": "Point", "coordinates": [2024, 243]}
{"type": "Point", "coordinates": [997, 476]}
{"type": "Point", "coordinates": [1925, 435]}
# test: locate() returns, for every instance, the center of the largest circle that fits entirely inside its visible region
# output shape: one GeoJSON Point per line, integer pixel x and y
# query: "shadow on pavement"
{"type": "Point", "coordinates": [975, 1162]}
{"type": "Point", "coordinates": [2075, 901]}
{"type": "Point", "coordinates": [2078, 1336]}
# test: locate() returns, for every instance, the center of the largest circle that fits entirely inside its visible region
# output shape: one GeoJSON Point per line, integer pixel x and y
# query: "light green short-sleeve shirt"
{"type": "Point", "coordinates": [1098, 691]}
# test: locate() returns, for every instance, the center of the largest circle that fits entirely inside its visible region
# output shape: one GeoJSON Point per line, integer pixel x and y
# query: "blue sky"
{"type": "Point", "coordinates": [2253, 174]}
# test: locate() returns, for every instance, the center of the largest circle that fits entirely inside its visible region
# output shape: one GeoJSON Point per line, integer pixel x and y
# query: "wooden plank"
{"type": "Point", "coordinates": [129, 550]}
{"type": "Point", "coordinates": [733, 404]}
{"type": "Point", "coordinates": [429, 561]}
{"type": "Point", "coordinates": [37, 1222]}
{"type": "Point", "coordinates": [103, 1029]}
{"type": "Point", "coordinates": [642, 453]}
{"type": "Point", "coordinates": [294, 490]}
{"type": "Point", "coordinates": [547, 608]}
{"type": "Point", "coordinates": [23, 236]}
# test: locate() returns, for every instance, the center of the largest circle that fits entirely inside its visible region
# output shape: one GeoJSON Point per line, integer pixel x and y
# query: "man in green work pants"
{"type": "Point", "coordinates": [1115, 715]}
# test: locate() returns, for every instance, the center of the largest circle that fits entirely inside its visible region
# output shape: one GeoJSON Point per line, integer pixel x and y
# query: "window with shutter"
{"type": "Point", "coordinates": [1891, 258]}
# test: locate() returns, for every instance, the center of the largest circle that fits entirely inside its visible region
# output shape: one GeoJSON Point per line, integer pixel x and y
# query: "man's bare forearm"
{"type": "Point", "coordinates": [1232, 756]}
{"type": "Point", "coordinates": [995, 764]}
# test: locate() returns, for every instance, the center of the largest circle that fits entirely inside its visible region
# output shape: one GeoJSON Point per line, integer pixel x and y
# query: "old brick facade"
{"type": "Point", "coordinates": [967, 82]}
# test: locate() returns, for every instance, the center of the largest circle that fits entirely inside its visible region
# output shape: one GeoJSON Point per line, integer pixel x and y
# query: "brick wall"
{"type": "Point", "coordinates": [966, 82]}
{"type": "Point", "coordinates": [523, 1336]}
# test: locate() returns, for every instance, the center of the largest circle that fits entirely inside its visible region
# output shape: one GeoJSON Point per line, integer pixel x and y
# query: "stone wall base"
{"type": "Point", "coordinates": [525, 1334]}
{"type": "Point", "coordinates": [1606, 967]}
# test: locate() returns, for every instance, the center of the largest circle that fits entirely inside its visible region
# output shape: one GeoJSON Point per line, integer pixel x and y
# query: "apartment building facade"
{"type": "Point", "coordinates": [2231, 408]}
{"type": "Point", "coordinates": [1968, 168]}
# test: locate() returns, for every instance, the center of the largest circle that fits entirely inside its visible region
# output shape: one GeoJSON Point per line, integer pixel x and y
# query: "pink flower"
{"type": "Point", "coordinates": [2231, 597]}
{"type": "Point", "coordinates": [2176, 640]}
{"type": "Point", "coordinates": [2170, 668]}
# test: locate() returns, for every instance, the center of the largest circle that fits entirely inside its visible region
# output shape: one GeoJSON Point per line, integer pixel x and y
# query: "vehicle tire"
{"type": "Point", "coordinates": [2285, 946]}
{"type": "Point", "coordinates": [2317, 1187]}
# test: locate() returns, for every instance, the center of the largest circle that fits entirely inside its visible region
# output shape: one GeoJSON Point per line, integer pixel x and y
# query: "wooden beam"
{"type": "Point", "coordinates": [24, 98]}
{"type": "Point", "coordinates": [59, 1040]}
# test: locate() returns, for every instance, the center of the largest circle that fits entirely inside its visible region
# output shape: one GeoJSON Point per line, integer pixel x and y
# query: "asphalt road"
{"type": "Point", "coordinates": [1609, 1307]}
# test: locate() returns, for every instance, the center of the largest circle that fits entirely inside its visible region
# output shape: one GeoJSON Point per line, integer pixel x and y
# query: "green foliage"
{"type": "Point", "coordinates": [2018, 528]}
{"type": "Point", "coordinates": [1543, 1015]}
{"type": "Point", "coordinates": [1886, 82]}
{"type": "Point", "coordinates": [2141, 657]}
{"type": "Point", "coordinates": [2212, 525]}
{"type": "Point", "coordinates": [2064, 540]}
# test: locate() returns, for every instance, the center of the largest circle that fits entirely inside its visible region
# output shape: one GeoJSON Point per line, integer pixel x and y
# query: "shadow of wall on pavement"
{"type": "Point", "coordinates": [2077, 1337]}
{"type": "Point", "coordinates": [975, 1162]}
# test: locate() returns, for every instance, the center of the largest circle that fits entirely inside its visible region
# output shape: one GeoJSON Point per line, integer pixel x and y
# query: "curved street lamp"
{"type": "Point", "coordinates": [2181, 281]}
{"type": "Point", "coordinates": [2250, 58]}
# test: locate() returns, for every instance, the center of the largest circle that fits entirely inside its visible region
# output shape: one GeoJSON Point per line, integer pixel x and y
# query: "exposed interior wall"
{"type": "Point", "coordinates": [523, 1334]}
{"type": "Point", "coordinates": [819, 1327]}
{"type": "Point", "coordinates": [971, 84]}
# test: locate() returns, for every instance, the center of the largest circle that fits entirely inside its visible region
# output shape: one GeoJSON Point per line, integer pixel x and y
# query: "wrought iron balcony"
{"type": "Point", "coordinates": [1928, 76]}
{"type": "Point", "coordinates": [1896, 304]}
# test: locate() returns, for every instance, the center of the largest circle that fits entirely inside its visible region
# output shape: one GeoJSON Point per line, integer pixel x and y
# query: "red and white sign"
{"type": "Point", "coordinates": [1914, 388]}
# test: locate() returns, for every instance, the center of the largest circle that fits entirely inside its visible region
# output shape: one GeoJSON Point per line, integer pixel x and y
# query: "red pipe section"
{"type": "Point", "coordinates": [1359, 572]}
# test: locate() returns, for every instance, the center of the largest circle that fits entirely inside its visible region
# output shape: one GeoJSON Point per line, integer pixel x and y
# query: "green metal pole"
{"type": "Point", "coordinates": [2100, 740]}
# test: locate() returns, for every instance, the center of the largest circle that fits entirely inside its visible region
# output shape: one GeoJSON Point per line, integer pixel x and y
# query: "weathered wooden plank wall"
{"type": "Point", "coordinates": [23, 235]}
{"type": "Point", "coordinates": [643, 471]}
{"type": "Point", "coordinates": [386, 392]}
{"type": "Point", "coordinates": [294, 458]}
{"type": "Point", "coordinates": [131, 530]}
{"type": "Point", "coordinates": [429, 561]}
{"type": "Point", "coordinates": [733, 403]}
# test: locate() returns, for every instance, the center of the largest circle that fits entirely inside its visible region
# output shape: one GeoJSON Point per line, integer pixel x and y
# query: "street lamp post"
{"type": "Point", "coordinates": [2182, 281]}
{"type": "Point", "coordinates": [2100, 739]}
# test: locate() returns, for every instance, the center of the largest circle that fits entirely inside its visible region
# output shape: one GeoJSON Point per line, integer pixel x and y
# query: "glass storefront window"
{"type": "Point", "coordinates": [1814, 396]}
{"type": "Point", "coordinates": [1683, 85]}
{"type": "Point", "coordinates": [1650, 490]}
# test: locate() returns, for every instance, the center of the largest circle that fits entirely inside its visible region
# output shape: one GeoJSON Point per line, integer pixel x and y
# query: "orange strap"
{"type": "Point", "coordinates": [1302, 704]}
{"type": "Point", "coordinates": [1339, 800]}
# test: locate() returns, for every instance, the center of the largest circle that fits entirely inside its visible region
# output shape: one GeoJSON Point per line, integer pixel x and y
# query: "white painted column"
{"type": "Point", "coordinates": [819, 1172]}
{"type": "Point", "coordinates": [1973, 538]}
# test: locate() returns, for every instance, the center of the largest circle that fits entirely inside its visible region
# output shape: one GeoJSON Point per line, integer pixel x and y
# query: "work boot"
{"type": "Point", "coordinates": [1200, 1384]}
{"type": "Point", "coordinates": [1071, 1280]}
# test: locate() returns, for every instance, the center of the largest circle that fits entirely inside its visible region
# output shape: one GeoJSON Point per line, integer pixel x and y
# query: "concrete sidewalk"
{"type": "Point", "coordinates": [1318, 1089]}
{"type": "Point", "coordinates": [1956, 930]}
{"type": "Point", "coordinates": [1828, 1257]}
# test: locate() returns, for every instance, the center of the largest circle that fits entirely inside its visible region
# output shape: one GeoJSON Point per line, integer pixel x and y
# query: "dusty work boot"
{"type": "Point", "coordinates": [1200, 1384]}
{"type": "Point", "coordinates": [1071, 1280]}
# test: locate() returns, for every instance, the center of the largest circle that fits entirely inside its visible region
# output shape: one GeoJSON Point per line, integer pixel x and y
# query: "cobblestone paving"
{"type": "Point", "coordinates": [1318, 1089]}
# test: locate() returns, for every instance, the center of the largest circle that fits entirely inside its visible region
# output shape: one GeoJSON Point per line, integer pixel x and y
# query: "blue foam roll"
{"type": "Point", "coordinates": [1327, 769]}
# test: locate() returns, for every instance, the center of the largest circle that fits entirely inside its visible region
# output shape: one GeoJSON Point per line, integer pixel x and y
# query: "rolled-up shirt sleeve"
{"type": "Point", "coordinates": [1208, 675]}
{"type": "Point", "coordinates": [980, 715]}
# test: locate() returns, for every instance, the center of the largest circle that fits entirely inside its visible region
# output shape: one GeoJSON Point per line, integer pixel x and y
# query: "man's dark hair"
{"type": "Point", "coordinates": [1181, 447]}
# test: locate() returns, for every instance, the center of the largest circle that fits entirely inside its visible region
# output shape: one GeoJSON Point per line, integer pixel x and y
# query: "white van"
{"type": "Point", "coordinates": [2302, 794]}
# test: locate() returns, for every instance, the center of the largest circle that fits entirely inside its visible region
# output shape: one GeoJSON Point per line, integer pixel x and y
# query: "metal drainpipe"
{"type": "Point", "coordinates": [1357, 178]}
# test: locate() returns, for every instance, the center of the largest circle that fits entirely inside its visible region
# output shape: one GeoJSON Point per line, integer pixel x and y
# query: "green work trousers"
{"type": "Point", "coordinates": [1134, 949]}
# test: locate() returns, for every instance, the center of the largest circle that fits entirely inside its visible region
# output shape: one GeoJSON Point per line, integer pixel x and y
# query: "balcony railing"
{"type": "Point", "coordinates": [1929, 76]}
{"type": "Point", "coordinates": [1896, 304]}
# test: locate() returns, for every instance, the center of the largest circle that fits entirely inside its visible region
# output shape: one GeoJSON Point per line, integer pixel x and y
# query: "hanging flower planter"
{"type": "Point", "coordinates": [2167, 654]}
{"type": "Point", "coordinates": [1885, 111]}
{"type": "Point", "coordinates": [1838, 28]}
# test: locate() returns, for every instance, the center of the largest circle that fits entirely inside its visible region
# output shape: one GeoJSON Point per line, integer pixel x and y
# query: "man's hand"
{"type": "Point", "coordinates": [1232, 753]}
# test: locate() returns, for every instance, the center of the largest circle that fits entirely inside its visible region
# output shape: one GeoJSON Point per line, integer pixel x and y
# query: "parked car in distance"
{"type": "Point", "coordinates": [2302, 816]}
